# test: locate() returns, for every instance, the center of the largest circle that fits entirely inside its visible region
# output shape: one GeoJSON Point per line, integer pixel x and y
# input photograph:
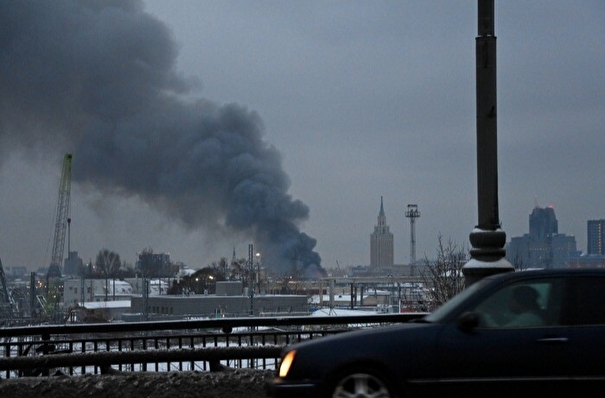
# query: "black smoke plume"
{"type": "Point", "coordinates": [97, 78]}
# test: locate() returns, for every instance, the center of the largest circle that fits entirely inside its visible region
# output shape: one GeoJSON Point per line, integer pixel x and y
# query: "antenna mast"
{"type": "Point", "coordinates": [412, 213]}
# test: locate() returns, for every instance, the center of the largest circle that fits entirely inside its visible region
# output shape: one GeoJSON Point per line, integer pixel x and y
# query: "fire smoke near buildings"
{"type": "Point", "coordinates": [98, 79]}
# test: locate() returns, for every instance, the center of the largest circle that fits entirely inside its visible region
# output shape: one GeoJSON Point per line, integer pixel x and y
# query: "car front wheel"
{"type": "Point", "coordinates": [361, 384]}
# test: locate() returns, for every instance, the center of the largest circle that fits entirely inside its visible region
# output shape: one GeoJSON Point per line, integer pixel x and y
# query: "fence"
{"type": "Point", "coordinates": [204, 345]}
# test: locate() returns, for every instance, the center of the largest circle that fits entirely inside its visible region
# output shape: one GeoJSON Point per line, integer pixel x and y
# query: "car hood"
{"type": "Point", "coordinates": [387, 345]}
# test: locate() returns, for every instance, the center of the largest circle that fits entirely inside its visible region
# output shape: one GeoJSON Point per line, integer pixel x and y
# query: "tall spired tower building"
{"type": "Point", "coordinates": [381, 242]}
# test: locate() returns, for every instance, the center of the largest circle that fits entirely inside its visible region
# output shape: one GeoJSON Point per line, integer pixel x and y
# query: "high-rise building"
{"type": "Point", "coordinates": [544, 246]}
{"type": "Point", "coordinates": [381, 242]}
{"type": "Point", "coordinates": [596, 237]}
{"type": "Point", "coordinates": [73, 264]}
{"type": "Point", "coordinates": [153, 265]}
{"type": "Point", "coordinates": [543, 223]}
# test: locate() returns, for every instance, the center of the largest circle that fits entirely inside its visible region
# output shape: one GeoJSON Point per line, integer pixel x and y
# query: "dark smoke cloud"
{"type": "Point", "coordinates": [98, 78]}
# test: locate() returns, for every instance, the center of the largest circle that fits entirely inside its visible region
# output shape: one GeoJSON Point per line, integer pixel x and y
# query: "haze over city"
{"type": "Point", "coordinates": [344, 102]}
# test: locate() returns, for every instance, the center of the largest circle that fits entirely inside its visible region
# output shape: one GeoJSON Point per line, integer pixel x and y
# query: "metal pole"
{"type": "Point", "coordinates": [251, 277]}
{"type": "Point", "coordinates": [487, 239]}
{"type": "Point", "coordinates": [32, 292]}
{"type": "Point", "coordinates": [487, 151]}
{"type": "Point", "coordinates": [145, 284]}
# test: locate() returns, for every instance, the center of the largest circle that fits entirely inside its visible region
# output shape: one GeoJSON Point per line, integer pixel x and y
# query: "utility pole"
{"type": "Point", "coordinates": [487, 239]}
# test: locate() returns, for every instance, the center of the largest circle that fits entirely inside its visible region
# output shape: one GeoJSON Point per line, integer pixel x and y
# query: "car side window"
{"type": "Point", "coordinates": [534, 303]}
{"type": "Point", "coordinates": [586, 305]}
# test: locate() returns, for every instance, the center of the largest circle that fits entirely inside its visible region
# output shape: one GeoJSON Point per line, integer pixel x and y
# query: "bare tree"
{"type": "Point", "coordinates": [152, 265]}
{"type": "Point", "coordinates": [220, 269]}
{"type": "Point", "coordinates": [443, 276]}
{"type": "Point", "coordinates": [204, 280]}
{"type": "Point", "coordinates": [108, 263]}
{"type": "Point", "coordinates": [238, 270]}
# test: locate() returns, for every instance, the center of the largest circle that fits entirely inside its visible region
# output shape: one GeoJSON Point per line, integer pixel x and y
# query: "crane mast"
{"type": "Point", "coordinates": [6, 304]}
{"type": "Point", "coordinates": [61, 220]}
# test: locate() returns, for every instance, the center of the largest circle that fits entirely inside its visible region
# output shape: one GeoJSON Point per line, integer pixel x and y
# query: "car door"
{"type": "Point", "coordinates": [500, 354]}
{"type": "Point", "coordinates": [585, 315]}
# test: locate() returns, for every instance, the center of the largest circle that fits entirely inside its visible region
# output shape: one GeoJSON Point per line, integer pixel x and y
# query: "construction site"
{"type": "Point", "coordinates": [62, 295]}
{"type": "Point", "coordinates": [37, 300]}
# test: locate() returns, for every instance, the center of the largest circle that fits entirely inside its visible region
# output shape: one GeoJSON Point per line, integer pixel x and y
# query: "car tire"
{"type": "Point", "coordinates": [360, 382]}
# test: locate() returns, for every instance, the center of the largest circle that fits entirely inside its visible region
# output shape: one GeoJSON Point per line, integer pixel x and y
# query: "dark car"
{"type": "Point", "coordinates": [525, 333]}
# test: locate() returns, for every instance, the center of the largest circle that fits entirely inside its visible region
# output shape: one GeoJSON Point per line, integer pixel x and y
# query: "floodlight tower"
{"type": "Point", "coordinates": [412, 213]}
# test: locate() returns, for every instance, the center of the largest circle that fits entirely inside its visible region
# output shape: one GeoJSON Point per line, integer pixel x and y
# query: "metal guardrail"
{"type": "Point", "coordinates": [204, 345]}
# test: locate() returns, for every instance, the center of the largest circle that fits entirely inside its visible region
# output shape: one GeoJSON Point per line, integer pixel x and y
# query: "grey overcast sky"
{"type": "Point", "coordinates": [361, 99]}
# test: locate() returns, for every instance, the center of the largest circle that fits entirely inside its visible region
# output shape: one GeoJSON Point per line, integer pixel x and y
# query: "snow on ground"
{"type": "Point", "coordinates": [238, 383]}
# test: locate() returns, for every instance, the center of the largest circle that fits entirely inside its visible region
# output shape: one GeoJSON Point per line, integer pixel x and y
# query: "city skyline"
{"type": "Point", "coordinates": [544, 246]}
{"type": "Point", "coordinates": [360, 100]}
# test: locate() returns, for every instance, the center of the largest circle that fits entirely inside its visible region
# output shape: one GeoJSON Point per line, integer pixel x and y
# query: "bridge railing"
{"type": "Point", "coordinates": [205, 345]}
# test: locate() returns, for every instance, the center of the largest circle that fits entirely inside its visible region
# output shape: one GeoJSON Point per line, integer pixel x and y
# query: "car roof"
{"type": "Point", "coordinates": [557, 272]}
{"type": "Point", "coordinates": [488, 283]}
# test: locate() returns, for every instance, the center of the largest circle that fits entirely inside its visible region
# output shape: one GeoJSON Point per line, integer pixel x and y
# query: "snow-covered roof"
{"type": "Point", "coordinates": [93, 305]}
{"type": "Point", "coordinates": [341, 312]}
{"type": "Point", "coordinates": [315, 299]}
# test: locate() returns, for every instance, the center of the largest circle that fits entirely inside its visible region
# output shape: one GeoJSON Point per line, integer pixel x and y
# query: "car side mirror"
{"type": "Point", "coordinates": [468, 321]}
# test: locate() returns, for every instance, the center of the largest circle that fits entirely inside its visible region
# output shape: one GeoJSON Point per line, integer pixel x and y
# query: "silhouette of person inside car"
{"type": "Point", "coordinates": [524, 305]}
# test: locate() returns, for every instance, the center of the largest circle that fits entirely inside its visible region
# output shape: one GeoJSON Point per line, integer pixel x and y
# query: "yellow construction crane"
{"type": "Point", "coordinates": [6, 304]}
{"type": "Point", "coordinates": [61, 220]}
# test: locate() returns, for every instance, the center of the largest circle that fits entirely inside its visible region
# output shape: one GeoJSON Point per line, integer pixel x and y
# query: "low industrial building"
{"type": "Point", "coordinates": [212, 306]}
{"type": "Point", "coordinates": [230, 300]}
{"type": "Point", "coordinates": [98, 311]}
{"type": "Point", "coordinates": [77, 291]}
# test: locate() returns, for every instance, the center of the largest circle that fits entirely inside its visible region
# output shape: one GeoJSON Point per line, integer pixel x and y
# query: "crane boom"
{"type": "Point", "coordinates": [54, 270]}
{"type": "Point", "coordinates": [4, 296]}
{"type": "Point", "coordinates": [6, 301]}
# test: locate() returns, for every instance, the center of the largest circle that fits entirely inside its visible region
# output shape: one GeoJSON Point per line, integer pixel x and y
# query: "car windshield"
{"type": "Point", "coordinates": [444, 310]}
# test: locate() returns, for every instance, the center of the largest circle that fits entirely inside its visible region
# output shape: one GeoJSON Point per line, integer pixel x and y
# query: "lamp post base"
{"type": "Point", "coordinates": [487, 256]}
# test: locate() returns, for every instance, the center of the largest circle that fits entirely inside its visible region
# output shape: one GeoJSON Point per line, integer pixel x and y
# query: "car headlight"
{"type": "Point", "coordinates": [286, 363]}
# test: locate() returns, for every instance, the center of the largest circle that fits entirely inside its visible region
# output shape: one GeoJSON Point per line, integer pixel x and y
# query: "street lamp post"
{"type": "Point", "coordinates": [487, 239]}
{"type": "Point", "coordinates": [259, 277]}
{"type": "Point", "coordinates": [209, 281]}
{"type": "Point", "coordinates": [251, 277]}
